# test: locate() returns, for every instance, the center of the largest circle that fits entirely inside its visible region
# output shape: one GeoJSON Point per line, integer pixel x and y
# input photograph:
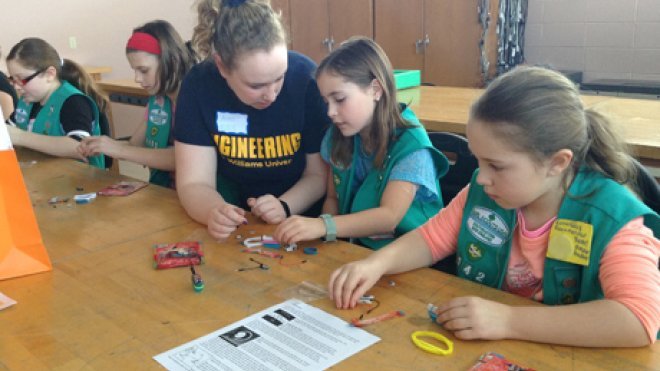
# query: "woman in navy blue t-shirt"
{"type": "Point", "coordinates": [250, 120]}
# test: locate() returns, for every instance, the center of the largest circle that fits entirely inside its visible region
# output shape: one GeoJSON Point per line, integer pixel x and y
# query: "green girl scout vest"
{"type": "Point", "coordinates": [370, 192]}
{"type": "Point", "coordinates": [586, 222]}
{"type": "Point", "coordinates": [159, 124]}
{"type": "Point", "coordinates": [48, 122]}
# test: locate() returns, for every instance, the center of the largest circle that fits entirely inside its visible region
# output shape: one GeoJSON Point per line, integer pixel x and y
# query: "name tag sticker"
{"type": "Point", "coordinates": [229, 122]}
{"type": "Point", "coordinates": [570, 241]}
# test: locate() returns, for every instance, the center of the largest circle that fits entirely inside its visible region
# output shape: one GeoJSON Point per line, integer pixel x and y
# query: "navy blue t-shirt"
{"type": "Point", "coordinates": [259, 151]}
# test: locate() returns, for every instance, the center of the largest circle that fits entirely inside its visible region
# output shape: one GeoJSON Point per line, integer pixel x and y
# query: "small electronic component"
{"type": "Point", "coordinates": [197, 283]}
{"type": "Point", "coordinates": [310, 250]}
{"type": "Point", "coordinates": [432, 311]}
{"type": "Point", "coordinates": [266, 241]}
{"type": "Point", "coordinates": [261, 266]}
{"type": "Point", "coordinates": [256, 250]}
{"type": "Point", "coordinates": [383, 317]}
{"type": "Point", "coordinates": [84, 198]}
{"type": "Point", "coordinates": [367, 299]}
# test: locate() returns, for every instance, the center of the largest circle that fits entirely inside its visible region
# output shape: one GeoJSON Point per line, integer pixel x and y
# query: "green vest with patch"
{"type": "Point", "coordinates": [48, 122]}
{"type": "Point", "coordinates": [159, 124]}
{"type": "Point", "coordinates": [370, 192]}
{"type": "Point", "coordinates": [587, 220]}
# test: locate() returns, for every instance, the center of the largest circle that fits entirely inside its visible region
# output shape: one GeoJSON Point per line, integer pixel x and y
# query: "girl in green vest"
{"type": "Point", "coordinates": [160, 59]}
{"type": "Point", "coordinates": [383, 170]}
{"type": "Point", "coordinates": [549, 215]}
{"type": "Point", "coordinates": [59, 102]}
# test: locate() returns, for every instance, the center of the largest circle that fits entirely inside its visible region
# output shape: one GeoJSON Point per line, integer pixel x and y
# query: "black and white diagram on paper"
{"type": "Point", "coordinates": [288, 336]}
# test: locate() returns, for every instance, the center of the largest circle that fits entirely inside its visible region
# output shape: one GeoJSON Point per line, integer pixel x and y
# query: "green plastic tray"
{"type": "Point", "coordinates": [404, 79]}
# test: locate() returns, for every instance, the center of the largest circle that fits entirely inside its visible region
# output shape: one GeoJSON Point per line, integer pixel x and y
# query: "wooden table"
{"type": "Point", "coordinates": [123, 86]}
{"type": "Point", "coordinates": [447, 109]}
{"type": "Point", "coordinates": [104, 307]}
{"type": "Point", "coordinates": [125, 91]}
{"type": "Point", "coordinates": [97, 71]}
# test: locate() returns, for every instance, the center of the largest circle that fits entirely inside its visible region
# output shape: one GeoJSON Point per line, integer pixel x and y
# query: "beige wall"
{"type": "Point", "coordinates": [617, 39]}
{"type": "Point", "coordinates": [101, 27]}
{"type": "Point", "coordinates": [602, 38]}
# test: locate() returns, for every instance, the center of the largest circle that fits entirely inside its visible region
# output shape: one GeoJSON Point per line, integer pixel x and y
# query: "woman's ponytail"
{"type": "Point", "coordinates": [202, 39]}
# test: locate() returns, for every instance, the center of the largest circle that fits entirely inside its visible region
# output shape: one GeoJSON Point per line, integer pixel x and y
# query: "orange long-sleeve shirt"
{"type": "Point", "coordinates": [628, 268]}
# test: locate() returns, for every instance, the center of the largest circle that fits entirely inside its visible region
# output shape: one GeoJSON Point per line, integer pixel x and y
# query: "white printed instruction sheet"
{"type": "Point", "coordinates": [287, 336]}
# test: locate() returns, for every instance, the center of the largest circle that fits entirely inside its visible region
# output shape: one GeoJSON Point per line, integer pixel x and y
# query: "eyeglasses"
{"type": "Point", "coordinates": [23, 82]}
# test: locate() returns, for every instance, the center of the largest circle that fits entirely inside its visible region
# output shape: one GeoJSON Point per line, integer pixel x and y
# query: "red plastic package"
{"type": "Point", "coordinates": [492, 361]}
{"type": "Point", "coordinates": [178, 254]}
{"type": "Point", "coordinates": [123, 188]}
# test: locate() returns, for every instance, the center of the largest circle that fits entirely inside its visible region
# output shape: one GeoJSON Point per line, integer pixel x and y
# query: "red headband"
{"type": "Point", "coordinates": [144, 42]}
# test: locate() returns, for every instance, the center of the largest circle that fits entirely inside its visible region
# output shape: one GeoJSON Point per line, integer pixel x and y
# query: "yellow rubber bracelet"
{"type": "Point", "coordinates": [423, 345]}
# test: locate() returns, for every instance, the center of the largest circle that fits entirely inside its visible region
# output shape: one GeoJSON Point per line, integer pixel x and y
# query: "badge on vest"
{"type": "Point", "coordinates": [475, 252]}
{"type": "Point", "coordinates": [488, 227]}
{"type": "Point", "coordinates": [158, 116]}
{"type": "Point", "coordinates": [570, 241]}
{"type": "Point", "coordinates": [21, 116]}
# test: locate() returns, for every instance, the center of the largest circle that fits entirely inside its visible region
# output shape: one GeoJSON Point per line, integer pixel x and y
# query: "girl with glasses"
{"type": "Point", "coordinates": [59, 102]}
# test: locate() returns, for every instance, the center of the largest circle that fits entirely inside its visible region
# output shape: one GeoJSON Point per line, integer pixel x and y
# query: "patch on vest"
{"type": "Point", "coordinates": [570, 241]}
{"type": "Point", "coordinates": [158, 116]}
{"type": "Point", "coordinates": [475, 252]}
{"type": "Point", "coordinates": [488, 227]}
{"type": "Point", "coordinates": [21, 116]}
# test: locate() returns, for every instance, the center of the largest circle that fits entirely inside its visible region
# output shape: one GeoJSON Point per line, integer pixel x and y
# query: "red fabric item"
{"type": "Point", "coordinates": [144, 42]}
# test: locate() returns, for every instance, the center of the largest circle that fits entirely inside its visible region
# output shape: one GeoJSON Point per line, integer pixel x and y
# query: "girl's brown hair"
{"type": "Point", "coordinates": [174, 61]}
{"type": "Point", "coordinates": [37, 54]}
{"type": "Point", "coordinates": [360, 60]}
{"type": "Point", "coordinates": [233, 27]}
{"type": "Point", "coordinates": [539, 111]}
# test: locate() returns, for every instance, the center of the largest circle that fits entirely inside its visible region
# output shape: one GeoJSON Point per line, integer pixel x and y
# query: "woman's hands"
{"type": "Point", "coordinates": [268, 208]}
{"type": "Point", "coordinates": [224, 219]}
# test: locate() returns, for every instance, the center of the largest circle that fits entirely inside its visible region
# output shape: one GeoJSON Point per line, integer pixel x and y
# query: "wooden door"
{"type": "Point", "coordinates": [398, 26]}
{"type": "Point", "coordinates": [310, 27]}
{"type": "Point", "coordinates": [350, 18]}
{"type": "Point", "coordinates": [452, 55]}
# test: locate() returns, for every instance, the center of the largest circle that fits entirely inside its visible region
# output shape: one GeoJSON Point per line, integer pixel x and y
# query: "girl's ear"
{"type": "Point", "coordinates": [51, 73]}
{"type": "Point", "coordinates": [224, 71]}
{"type": "Point", "coordinates": [560, 161]}
{"type": "Point", "coordinates": [377, 89]}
